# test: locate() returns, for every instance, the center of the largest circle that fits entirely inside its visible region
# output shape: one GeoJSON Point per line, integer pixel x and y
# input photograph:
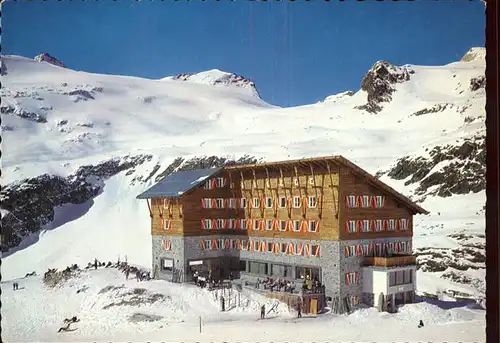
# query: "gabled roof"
{"type": "Point", "coordinates": [345, 163]}
{"type": "Point", "coordinates": [178, 183]}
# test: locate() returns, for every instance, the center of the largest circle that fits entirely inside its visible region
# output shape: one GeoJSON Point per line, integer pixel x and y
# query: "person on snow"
{"type": "Point", "coordinates": [262, 311]}
{"type": "Point", "coordinates": [420, 324]}
{"type": "Point", "coordinates": [95, 264]}
{"type": "Point", "coordinates": [299, 310]}
{"type": "Point", "coordinates": [127, 273]}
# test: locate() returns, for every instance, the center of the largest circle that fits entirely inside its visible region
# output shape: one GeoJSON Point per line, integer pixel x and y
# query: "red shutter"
{"type": "Point", "coordinates": [317, 226]}
{"type": "Point", "coordinates": [203, 224]}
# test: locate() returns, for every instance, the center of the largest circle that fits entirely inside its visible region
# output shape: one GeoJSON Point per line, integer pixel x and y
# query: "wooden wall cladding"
{"type": "Point", "coordinates": [392, 209]}
{"type": "Point", "coordinates": [261, 184]}
{"type": "Point", "coordinates": [165, 211]}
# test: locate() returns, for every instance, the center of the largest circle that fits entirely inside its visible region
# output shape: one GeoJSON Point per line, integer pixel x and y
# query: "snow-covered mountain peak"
{"type": "Point", "coordinates": [216, 77]}
{"type": "Point", "coordinates": [474, 54]}
{"type": "Point", "coordinates": [45, 57]}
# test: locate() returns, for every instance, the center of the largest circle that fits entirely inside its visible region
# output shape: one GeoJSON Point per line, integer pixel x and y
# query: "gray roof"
{"type": "Point", "coordinates": [178, 183]}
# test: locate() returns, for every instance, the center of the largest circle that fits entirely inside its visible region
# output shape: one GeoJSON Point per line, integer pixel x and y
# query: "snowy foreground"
{"type": "Point", "coordinates": [35, 313]}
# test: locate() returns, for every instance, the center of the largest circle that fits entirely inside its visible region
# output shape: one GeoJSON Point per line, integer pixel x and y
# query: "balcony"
{"type": "Point", "coordinates": [391, 261]}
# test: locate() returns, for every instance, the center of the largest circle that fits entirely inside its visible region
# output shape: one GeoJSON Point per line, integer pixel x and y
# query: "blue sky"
{"type": "Point", "coordinates": [297, 53]}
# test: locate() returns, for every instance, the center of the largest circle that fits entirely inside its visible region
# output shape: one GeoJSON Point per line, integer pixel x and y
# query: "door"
{"type": "Point", "coordinates": [314, 306]}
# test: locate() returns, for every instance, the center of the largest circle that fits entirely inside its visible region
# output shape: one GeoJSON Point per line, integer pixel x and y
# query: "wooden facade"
{"type": "Point", "coordinates": [305, 199]}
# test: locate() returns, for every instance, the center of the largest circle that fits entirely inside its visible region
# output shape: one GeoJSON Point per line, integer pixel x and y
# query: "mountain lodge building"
{"type": "Point", "coordinates": [323, 218]}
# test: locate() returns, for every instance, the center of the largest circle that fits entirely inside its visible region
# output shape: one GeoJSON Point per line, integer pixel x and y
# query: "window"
{"type": "Point", "coordinates": [352, 250]}
{"type": "Point", "coordinates": [351, 278]}
{"type": "Point", "coordinates": [231, 224]}
{"type": "Point", "coordinates": [207, 203]}
{"type": "Point", "coordinates": [351, 226]}
{"type": "Point", "coordinates": [207, 224]}
{"type": "Point", "coordinates": [269, 224]}
{"type": "Point", "coordinates": [403, 224]}
{"type": "Point", "coordinates": [282, 225]}
{"type": "Point", "coordinates": [256, 202]}
{"type": "Point", "coordinates": [167, 264]}
{"type": "Point", "coordinates": [296, 202]}
{"type": "Point", "coordinates": [408, 276]}
{"type": "Point", "coordinates": [392, 225]}
{"type": "Point", "coordinates": [366, 225]}
{"type": "Point", "coordinates": [315, 250]}
{"type": "Point", "coordinates": [283, 248]}
{"type": "Point", "coordinates": [268, 183]}
{"type": "Point", "coordinates": [282, 202]}
{"type": "Point", "coordinates": [167, 224]}
{"type": "Point", "coordinates": [243, 203]}
{"type": "Point", "coordinates": [296, 225]}
{"type": "Point", "coordinates": [311, 202]}
{"type": "Point", "coordinates": [243, 265]}
{"type": "Point", "coordinates": [269, 202]}
{"type": "Point", "coordinates": [269, 246]}
{"type": "Point", "coordinates": [379, 201]}
{"type": "Point", "coordinates": [208, 185]}
{"type": "Point", "coordinates": [400, 277]}
{"type": "Point", "coordinates": [281, 270]}
{"type": "Point", "coordinates": [231, 185]}
{"type": "Point", "coordinates": [311, 181]}
{"type": "Point", "coordinates": [392, 278]}
{"type": "Point", "coordinates": [365, 201]}
{"type": "Point", "coordinates": [232, 203]}
{"type": "Point", "coordinates": [220, 223]}
{"type": "Point", "coordinates": [256, 225]}
{"type": "Point", "coordinates": [312, 226]}
{"type": "Point", "coordinates": [296, 182]}
{"type": "Point", "coordinates": [221, 182]}
{"type": "Point", "coordinates": [352, 201]}
{"type": "Point", "coordinates": [220, 203]}
{"type": "Point", "coordinates": [302, 272]}
{"type": "Point", "coordinates": [281, 183]}
{"type": "Point", "coordinates": [257, 268]}
{"type": "Point", "coordinates": [378, 225]}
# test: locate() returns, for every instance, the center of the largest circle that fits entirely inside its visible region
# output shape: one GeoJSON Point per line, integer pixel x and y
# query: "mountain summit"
{"type": "Point", "coordinates": [45, 57]}
{"type": "Point", "coordinates": [216, 77]}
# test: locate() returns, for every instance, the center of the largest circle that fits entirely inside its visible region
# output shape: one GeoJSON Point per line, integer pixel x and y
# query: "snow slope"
{"type": "Point", "coordinates": [56, 120]}
{"type": "Point", "coordinates": [104, 302]}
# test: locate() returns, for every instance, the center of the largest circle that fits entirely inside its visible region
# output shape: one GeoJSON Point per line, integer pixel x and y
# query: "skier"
{"type": "Point", "coordinates": [299, 310]}
{"type": "Point", "coordinates": [222, 304]}
{"type": "Point", "coordinates": [262, 311]}
{"type": "Point", "coordinates": [127, 273]}
{"type": "Point", "coordinates": [420, 324]}
{"type": "Point", "coordinates": [95, 264]}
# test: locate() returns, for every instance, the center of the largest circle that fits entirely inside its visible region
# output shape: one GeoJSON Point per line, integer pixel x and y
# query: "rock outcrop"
{"type": "Point", "coordinates": [378, 84]}
{"type": "Point", "coordinates": [463, 171]}
{"type": "Point", "coordinates": [27, 206]}
{"type": "Point", "coordinates": [45, 57]}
